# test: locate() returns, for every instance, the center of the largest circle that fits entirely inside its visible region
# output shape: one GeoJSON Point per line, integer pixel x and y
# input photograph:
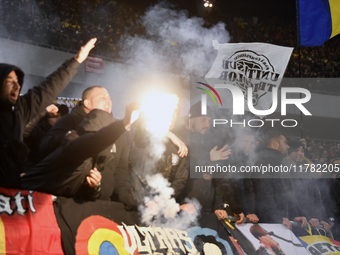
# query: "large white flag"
{"type": "Point", "coordinates": [259, 65]}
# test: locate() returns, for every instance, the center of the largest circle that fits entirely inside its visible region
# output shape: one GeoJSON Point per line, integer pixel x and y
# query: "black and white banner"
{"type": "Point", "coordinates": [260, 66]}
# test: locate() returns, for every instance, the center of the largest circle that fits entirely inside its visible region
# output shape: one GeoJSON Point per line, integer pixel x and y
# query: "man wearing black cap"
{"type": "Point", "coordinates": [16, 111]}
{"type": "Point", "coordinates": [200, 147]}
{"type": "Point", "coordinates": [202, 153]}
{"type": "Point", "coordinates": [295, 152]}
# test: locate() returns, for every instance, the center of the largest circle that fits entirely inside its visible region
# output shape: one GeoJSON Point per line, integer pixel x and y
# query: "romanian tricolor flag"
{"type": "Point", "coordinates": [317, 21]}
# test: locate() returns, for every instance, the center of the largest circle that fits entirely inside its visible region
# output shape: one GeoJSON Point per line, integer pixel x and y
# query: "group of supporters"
{"type": "Point", "coordinates": [89, 155]}
{"type": "Point", "coordinates": [274, 198]}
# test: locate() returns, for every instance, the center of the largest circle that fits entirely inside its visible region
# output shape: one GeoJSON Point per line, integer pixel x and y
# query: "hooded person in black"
{"type": "Point", "coordinates": [37, 128]}
{"type": "Point", "coordinates": [64, 172]}
{"type": "Point", "coordinates": [16, 111]}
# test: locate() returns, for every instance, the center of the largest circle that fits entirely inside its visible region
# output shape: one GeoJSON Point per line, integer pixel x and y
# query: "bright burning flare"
{"type": "Point", "coordinates": [159, 111]}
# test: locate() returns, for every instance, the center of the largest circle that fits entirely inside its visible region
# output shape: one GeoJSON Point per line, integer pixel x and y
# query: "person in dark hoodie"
{"type": "Point", "coordinates": [37, 128]}
{"type": "Point", "coordinates": [16, 111]}
{"type": "Point", "coordinates": [272, 203]}
{"type": "Point", "coordinates": [67, 171]}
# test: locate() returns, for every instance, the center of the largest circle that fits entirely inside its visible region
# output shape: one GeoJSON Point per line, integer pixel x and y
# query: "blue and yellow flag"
{"type": "Point", "coordinates": [317, 21]}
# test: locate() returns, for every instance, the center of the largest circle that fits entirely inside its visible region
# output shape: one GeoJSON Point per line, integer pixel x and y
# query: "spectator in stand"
{"type": "Point", "coordinates": [330, 194]}
{"type": "Point", "coordinates": [273, 204]}
{"type": "Point", "coordinates": [95, 97]}
{"type": "Point", "coordinates": [203, 151]}
{"type": "Point", "coordinates": [73, 170]}
{"type": "Point", "coordinates": [16, 111]}
{"type": "Point", "coordinates": [37, 128]}
{"type": "Point", "coordinates": [305, 190]}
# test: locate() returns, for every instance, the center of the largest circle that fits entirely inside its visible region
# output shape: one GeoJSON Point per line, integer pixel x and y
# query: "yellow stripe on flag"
{"type": "Point", "coordinates": [2, 238]}
{"type": "Point", "coordinates": [335, 14]}
{"type": "Point", "coordinates": [317, 240]}
{"type": "Point", "coordinates": [101, 235]}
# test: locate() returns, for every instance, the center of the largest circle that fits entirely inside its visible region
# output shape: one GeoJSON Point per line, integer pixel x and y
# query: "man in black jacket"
{"type": "Point", "coordinates": [95, 97]}
{"type": "Point", "coordinates": [305, 190]}
{"type": "Point", "coordinates": [273, 204]}
{"type": "Point", "coordinates": [115, 175]}
{"type": "Point", "coordinates": [16, 111]}
{"type": "Point", "coordinates": [36, 130]}
{"type": "Point", "coordinates": [203, 152]}
{"type": "Point", "coordinates": [67, 171]}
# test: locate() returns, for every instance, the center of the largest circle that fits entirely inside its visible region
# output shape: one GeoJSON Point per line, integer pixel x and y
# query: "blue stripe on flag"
{"type": "Point", "coordinates": [314, 22]}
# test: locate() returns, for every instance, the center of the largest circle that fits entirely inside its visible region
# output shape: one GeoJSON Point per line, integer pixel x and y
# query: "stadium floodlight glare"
{"type": "Point", "coordinates": [206, 4]}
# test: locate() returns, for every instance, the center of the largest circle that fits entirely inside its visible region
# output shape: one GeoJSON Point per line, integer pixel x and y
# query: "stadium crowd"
{"type": "Point", "coordinates": [55, 23]}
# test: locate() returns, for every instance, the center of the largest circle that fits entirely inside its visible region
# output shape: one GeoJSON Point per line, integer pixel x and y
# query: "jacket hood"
{"type": "Point", "coordinates": [5, 69]}
{"type": "Point", "coordinates": [79, 110]}
{"type": "Point", "coordinates": [94, 121]}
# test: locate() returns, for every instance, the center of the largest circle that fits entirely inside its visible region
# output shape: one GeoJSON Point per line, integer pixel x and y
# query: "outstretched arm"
{"type": "Point", "coordinates": [37, 98]}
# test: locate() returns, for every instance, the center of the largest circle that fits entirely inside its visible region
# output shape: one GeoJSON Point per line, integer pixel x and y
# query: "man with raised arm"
{"type": "Point", "coordinates": [16, 111]}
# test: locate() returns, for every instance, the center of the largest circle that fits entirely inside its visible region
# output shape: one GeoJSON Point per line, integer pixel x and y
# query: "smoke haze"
{"type": "Point", "coordinates": [165, 211]}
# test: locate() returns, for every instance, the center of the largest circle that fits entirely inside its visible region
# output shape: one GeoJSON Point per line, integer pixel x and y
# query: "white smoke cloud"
{"type": "Point", "coordinates": [174, 42]}
{"type": "Point", "coordinates": [163, 211]}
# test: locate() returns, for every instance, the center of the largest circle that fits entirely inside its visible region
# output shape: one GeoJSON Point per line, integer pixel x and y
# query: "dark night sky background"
{"type": "Point", "coordinates": [283, 10]}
